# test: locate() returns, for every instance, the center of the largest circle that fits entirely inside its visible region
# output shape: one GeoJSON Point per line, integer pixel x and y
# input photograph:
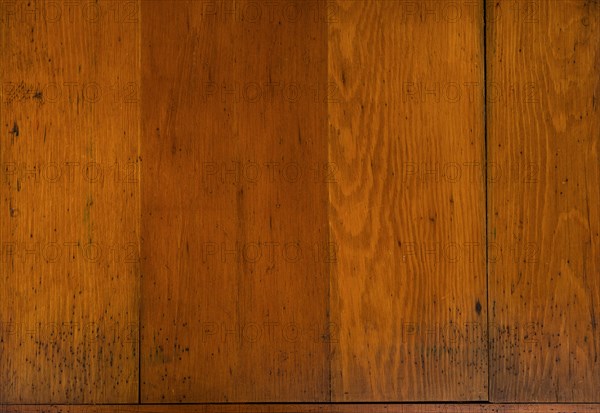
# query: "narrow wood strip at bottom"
{"type": "Point", "coordinates": [300, 408]}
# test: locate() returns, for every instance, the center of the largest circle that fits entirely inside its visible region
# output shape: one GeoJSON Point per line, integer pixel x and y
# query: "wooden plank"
{"type": "Point", "coordinates": [408, 203]}
{"type": "Point", "coordinates": [234, 223]}
{"type": "Point", "coordinates": [300, 408]}
{"type": "Point", "coordinates": [544, 128]}
{"type": "Point", "coordinates": [69, 202]}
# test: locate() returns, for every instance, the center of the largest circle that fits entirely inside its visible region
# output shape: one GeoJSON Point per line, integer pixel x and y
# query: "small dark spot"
{"type": "Point", "coordinates": [478, 307]}
{"type": "Point", "coordinates": [38, 95]}
{"type": "Point", "coordinates": [15, 130]}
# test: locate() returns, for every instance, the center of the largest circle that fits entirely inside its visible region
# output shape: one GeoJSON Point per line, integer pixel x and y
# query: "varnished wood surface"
{"type": "Point", "coordinates": [286, 202]}
{"type": "Point", "coordinates": [300, 408]}
{"type": "Point", "coordinates": [69, 205]}
{"type": "Point", "coordinates": [544, 129]}
{"type": "Point", "coordinates": [406, 213]}
{"type": "Point", "coordinates": [234, 206]}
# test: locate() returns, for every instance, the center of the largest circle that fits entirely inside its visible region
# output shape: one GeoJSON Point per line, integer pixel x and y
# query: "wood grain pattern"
{"type": "Point", "coordinates": [311, 214]}
{"type": "Point", "coordinates": [544, 224]}
{"type": "Point", "coordinates": [313, 407]}
{"type": "Point", "coordinates": [69, 204]}
{"type": "Point", "coordinates": [408, 206]}
{"type": "Point", "coordinates": [234, 220]}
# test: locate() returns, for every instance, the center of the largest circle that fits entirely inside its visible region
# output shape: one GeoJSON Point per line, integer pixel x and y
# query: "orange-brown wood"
{"type": "Point", "coordinates": [311, 210]}
{"type": "Point", "coordinates": [544, 197]}
{"type": "Point", "coordinates": [407, 208]}
{"type": "Point", "coordinates": [69, 202]}
{"type": "Point", "coordinates": [324, 408]}
{"type": "Point", "coordinates": [234, 202]}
